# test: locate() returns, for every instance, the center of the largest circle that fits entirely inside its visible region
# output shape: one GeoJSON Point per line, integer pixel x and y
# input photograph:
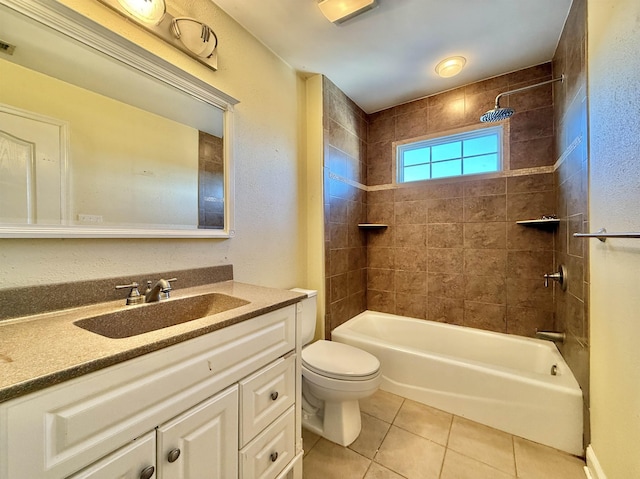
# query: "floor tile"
{"type": "Point", "coordinates": [329, 461]}
{"type": "Point", "coordinates": [482, 443]}
{"type": "Point", "coordinates": [424, 421]}
{"type": "Point", "coordinates": [457, 466]}
{"type": "Point", "coordinates": [376, 471]}
{"type": "Point", "coordinates": [535, 461]}
{"type": "Point", "coordinates": [309, 439]}
{"type": "Point", "coordinates": [409, 455]}
{"type": "Point", "coordinates": [382, 405]}
{"type": "Point", "coordinates": [373, 432]}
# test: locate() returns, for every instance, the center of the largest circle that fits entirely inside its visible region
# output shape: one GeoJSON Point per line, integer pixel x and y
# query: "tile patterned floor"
{"type": "Point", "coordinates": [401, 438]}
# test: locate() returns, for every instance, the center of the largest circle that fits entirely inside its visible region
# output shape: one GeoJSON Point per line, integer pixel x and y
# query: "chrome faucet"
{"type": "Point", "coordinates": [159, 291]}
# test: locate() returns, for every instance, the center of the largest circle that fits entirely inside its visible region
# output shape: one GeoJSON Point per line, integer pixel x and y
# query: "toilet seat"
{"type": "Point", "coordinates": [340, 361]}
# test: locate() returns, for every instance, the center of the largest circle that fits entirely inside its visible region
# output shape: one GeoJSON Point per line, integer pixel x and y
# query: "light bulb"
{"type": "Point", "coordinates": [147, 11]}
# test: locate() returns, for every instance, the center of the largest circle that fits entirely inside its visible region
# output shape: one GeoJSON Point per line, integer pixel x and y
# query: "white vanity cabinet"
{"type": "Point", "coordinates": [228, 401]}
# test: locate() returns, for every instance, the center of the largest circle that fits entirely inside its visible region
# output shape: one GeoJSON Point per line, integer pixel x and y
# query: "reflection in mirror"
{"type": "Point", "coordinates": [92, 146]}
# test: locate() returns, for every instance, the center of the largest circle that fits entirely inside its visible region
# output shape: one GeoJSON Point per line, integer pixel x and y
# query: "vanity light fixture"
{"type": "Point", "coordinates": [339, 11]}
{"type": "Point", "coordinates": [196, 36]}
{"type": "Point", "coordinates": [191, 36]}
{"type": "Point", "coordinates": [450, 66]}
{"type": "Point", "coordinates": [147, 11]}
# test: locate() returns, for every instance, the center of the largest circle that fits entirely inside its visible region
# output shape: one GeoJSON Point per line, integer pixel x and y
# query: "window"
{"type": "Point", "coordinates": [469, 153]}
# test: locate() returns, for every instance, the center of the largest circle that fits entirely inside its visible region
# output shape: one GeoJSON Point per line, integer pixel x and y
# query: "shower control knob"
{"type": "Point", "coordinates": [560, 277]}
{"type": "Point", "coordinates": [173, 456]}
{"type": "Point", "coordinates": [274, 395]}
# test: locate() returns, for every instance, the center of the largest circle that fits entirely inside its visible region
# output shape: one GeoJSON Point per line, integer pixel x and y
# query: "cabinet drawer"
{"type": "Point", "coordinates": [125, 463]}
{"type": "Point", "coordinates": [268, 454]}
{"type": "Point", "coordinates": [265, 395]}
{"type": "Point", "coordinates": [71, 425]}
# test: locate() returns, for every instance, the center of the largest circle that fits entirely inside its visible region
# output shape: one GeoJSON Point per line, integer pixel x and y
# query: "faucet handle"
{"type": "Point", "coordinates": [134, 295]}
{"type": "Point", "coordinates": [165, 294]}
{"type": "Point", "coordinates": [560, 277]}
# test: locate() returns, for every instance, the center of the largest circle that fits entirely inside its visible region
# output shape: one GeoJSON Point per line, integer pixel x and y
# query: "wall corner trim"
{"type": "Point", "coordinates": [593, 470]}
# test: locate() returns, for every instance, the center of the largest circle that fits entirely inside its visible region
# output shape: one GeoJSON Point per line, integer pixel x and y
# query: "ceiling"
{"type": "Point", "coordinates": [387, 56]}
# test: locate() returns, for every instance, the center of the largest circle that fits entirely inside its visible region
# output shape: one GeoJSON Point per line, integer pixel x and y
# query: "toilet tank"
{"type": "Point", "coordinates": [309, 310]}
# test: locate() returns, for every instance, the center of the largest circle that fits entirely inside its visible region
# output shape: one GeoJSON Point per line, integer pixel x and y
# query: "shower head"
{"type": "Point", "coordinates": [499, 114]}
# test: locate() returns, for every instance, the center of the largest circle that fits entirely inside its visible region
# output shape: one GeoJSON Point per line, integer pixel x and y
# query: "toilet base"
{"type": "Point", "coordinates": [340, 421]}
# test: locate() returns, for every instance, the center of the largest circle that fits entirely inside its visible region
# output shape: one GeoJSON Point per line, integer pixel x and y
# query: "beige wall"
{"type": "Point", "coordinates": [614, 193]}
{"type": "Point", "coordinates": [312, 135]}
{"type": "Point", "coordinates": [268, 248]}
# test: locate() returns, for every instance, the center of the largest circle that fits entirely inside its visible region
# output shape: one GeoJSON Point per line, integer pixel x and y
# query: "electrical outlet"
{"type": "Point", "coordinates": [90, 218]}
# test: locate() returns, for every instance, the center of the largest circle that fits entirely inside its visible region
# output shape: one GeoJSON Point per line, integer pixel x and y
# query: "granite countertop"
{"type": "Point", "coordinates": [46, 349]}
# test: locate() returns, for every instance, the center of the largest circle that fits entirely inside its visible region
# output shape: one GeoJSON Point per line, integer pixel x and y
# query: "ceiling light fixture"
{"type": "Point", "coordinates": [147, 11]}
{"type": "Point", "coordinates": [339, 11]}
{"type": "Point", "coordinates": [450, 66]}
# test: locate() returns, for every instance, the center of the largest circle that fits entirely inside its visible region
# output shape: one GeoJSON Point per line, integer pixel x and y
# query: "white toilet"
{"type": "Point", "coordinates": [334, 377]}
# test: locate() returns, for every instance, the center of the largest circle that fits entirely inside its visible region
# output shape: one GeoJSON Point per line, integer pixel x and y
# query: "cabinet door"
{"type": "Point", "coordinates": [134, 461]}
{"type": "Point", "coordinates": [201, 443]}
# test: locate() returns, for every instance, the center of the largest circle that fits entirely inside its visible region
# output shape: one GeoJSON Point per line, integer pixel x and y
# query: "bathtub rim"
{"type": "Point", "coordinates": [565, 381]}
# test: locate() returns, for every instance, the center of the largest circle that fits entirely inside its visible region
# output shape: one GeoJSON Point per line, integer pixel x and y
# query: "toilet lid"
{"type": "Point", "coordinates": [340, 361]}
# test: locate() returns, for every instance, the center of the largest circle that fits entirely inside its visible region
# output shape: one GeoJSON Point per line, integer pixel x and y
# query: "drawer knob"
{"type": "Point", "coordinates": [274, 395]}
{"type": "Point", "coordinates": [147, 472]}
{"type": "Point", "coordinates": [274, 456]}
{"type": "Point", "coordinates": [173, 456]}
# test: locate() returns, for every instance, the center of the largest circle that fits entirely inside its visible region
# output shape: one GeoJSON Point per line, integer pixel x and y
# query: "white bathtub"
{"type": "Point", "coordinates": [500, 380]}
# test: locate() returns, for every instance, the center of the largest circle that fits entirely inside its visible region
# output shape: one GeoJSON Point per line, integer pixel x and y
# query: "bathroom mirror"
{"type": "Point", "coordinates": [100, 138]}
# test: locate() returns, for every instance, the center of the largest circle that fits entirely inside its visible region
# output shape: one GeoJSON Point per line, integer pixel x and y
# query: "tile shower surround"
{"type": "Point", "coordinates": [571, 179]}
{"type": "Point", "coordinates": [452, 251]}
{"type": "Point", "coordinates": [345, 132]}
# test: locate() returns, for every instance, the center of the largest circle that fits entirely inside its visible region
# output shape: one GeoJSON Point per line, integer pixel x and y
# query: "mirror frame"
{"type": "Point", "coordinates": [72, 24]}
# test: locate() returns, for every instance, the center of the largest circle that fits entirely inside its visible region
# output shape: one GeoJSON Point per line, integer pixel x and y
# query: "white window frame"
{"type": "Point", "coordinates": [450, 137]}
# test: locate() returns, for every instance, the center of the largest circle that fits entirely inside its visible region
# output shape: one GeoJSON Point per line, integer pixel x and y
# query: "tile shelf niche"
{"type": "Point", "coordinates": [372, 226]}
{"type": "Point", "coordinates": [544, 223]}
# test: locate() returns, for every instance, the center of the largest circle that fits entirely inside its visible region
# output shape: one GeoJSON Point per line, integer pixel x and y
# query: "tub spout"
{"type": "Point", "coordinates": [555, 336]}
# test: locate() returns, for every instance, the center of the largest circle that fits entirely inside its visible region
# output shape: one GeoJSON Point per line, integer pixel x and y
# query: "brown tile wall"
{"type": "Point", "coordinates": [531, 138]}
{"type": "Point", "coordinates": [571, 178]}
{"type": "Point", "coordinates": [345, 130]}
{"type": "Point", "coordinates": [453, 252]}
{"type": "Point", "coordinates": [210, 181]}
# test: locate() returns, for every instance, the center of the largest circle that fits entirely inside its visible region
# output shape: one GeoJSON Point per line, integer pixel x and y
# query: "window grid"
{"type": "Point", "coordinates": [448, 140]}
